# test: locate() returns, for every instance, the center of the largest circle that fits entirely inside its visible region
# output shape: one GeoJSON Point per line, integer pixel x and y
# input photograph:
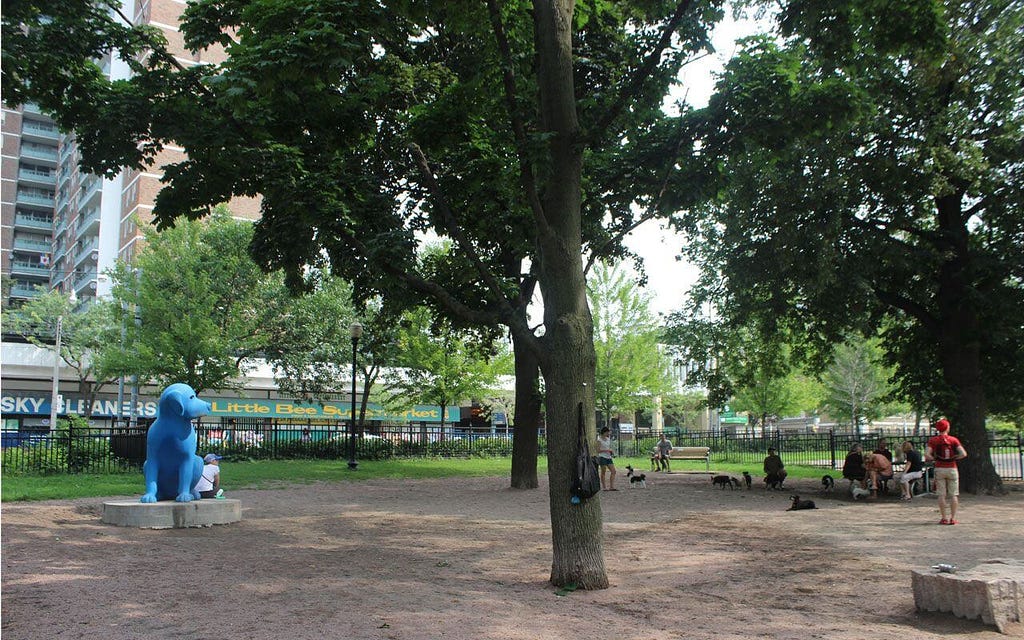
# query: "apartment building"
{"type": "Point", "coordinates": [62, 228]}
{"type": "Point", "coordinates": [28, 181]}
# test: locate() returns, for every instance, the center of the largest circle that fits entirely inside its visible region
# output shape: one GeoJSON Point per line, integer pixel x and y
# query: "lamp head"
{"type": "Point", "coordinates": [355, 330]}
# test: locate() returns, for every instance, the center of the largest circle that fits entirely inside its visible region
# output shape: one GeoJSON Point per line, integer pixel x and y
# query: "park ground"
{"type": "Point", "coordinates": [469, 558]}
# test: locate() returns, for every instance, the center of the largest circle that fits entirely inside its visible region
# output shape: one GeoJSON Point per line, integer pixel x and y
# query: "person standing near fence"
{"type": "Point", "coordinates": [945, 450]}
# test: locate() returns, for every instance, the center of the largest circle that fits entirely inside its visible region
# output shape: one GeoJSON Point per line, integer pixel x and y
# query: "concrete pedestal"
{"type": "Point", "coordinates": [992, 592]}
{"type": "Point", "coordinates": [169, 514]}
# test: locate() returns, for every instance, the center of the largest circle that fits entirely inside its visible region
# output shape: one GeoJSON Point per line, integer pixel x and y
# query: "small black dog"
{"type": "Point", "coordinates": [828, 483]}
{"type": "Point", "coordinates": [799, 504]}
{"type": "Point", "coordinates": [725, 481]}
{"type": "Point", "coordinates": [636, 480]}
{"type": "Point", "coordinates": [747, 479]}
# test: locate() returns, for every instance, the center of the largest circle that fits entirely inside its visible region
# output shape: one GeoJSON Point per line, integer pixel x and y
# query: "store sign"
{"type": "Point", "coordinates": [39, 405]}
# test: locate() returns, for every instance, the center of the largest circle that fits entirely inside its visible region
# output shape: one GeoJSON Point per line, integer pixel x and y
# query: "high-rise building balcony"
{"type": "Point", "coordinates": [39, 132]}
{"type": "Point", "coordinates": [91, 189]}
{"type": "Point", "coordinates": [29, 268]}
{"type": "Point", "coordinates": [36, 178]}
{"type": "Point", "coordinates": [32, 245]}
{"type": "Point", "coordinates": [24, 290]}
{"type": "Point", "coordinates": [39, 152]}
{"type": "Point", "coordinates": [89, 221]}
{"type": "Point", "coordinates": [32, 220]}
{"type": "Point", "coordinates": [86, 249]}
{"type": "Point", "coordinates": [35, 198]}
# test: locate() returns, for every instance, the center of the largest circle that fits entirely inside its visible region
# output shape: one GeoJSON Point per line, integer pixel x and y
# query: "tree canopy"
{"type": "Point", "coordinates": [869, 174]}
{"type": "Point", "coordinates": [631, 369]}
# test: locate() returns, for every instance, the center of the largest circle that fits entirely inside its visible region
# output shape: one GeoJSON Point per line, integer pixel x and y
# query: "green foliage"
{"type": "Point", "coordinates": [631, 370]}
{"type": "Point", "coordinates": [867, 174]}
{"type": "Point", "coordinates": [84, 332]}
{"type": "Point", "coordinates": [438, 367]}
{"type": "Point", "coordinates": [856, 382]}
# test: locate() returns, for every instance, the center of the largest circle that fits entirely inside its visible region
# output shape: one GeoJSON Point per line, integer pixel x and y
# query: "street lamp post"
{"type": "Point", "coordinates": [356, 331]}
{"type": "Point", "coordinates": [55, 393]}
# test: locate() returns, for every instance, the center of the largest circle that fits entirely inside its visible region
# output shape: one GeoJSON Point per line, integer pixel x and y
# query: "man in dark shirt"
{"type": "Point", "coordinates": [913, 470]}
{"type": "Point", "coordinates": [774, 471]}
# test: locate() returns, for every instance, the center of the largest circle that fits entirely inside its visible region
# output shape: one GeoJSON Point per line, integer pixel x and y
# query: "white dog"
{"type": "Point", "coordinates": [858, 492]}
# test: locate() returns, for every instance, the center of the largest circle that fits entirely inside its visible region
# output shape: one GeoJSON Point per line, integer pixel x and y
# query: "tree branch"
{"type": "Point", "coordinates": [893, 299]}
{"type": "Point", "coordinates": [507, 314]}
{"type": "Point", "coordinates": [508, 77]}
{"type": "Point", "coordinates": [642, 72]}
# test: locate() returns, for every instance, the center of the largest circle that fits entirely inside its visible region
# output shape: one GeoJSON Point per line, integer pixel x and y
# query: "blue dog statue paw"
{"type": "Point", "coordinates": [172, 467]}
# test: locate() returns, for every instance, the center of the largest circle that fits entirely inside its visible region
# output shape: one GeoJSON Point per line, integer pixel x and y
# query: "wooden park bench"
{"type": "Point", "coordinates": [692, 453]}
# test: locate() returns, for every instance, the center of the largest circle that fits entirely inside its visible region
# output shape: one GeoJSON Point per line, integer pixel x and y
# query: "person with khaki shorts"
{"type": "Point", "coordinates": [945, 450]}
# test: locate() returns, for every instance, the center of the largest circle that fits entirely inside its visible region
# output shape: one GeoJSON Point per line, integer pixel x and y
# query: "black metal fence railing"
{"type": "Point", "coordinates": [826, 450]}
{"type": "Point", "coordinates": [123, 449]}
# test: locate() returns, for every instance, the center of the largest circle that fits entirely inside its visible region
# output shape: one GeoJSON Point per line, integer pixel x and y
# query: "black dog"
{"type": "Point", "coordinates": [747, 479]}
{"type": "Point", "coordinates": [799, 504]}
{"type": "Point", "coordinates": [725, 481]}
{"type": "Point", "coordinates": [828, 483]}
{"type": "Point", "coordinates": [636, 480]}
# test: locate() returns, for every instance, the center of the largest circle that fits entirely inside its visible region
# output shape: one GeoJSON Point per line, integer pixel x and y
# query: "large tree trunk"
{"type": "Point", "coordinates": [567, 354]}
{"type": "Point", "coordinates": [960, 351]}
{"type": "Point", "coordinates": [527, 417]}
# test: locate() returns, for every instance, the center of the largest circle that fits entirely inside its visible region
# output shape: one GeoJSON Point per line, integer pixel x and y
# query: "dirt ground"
{"type": "Point", "coordinates": [469, 559]}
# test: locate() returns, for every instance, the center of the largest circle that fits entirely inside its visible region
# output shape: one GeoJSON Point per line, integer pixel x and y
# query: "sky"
{"type": "Point", "coordinates": [669, 279]}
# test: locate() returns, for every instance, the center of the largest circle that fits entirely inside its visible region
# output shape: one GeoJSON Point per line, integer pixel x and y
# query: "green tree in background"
{"type": "Point", "coordinates": [631, 370]}
{"type": "Point", "coordinates": [869, 161]}
{"type": "Point", "coordinates": [84, 332]}
{"type": "Point", "coordinates": [856, 382]}
{"type": "Point", "coordinates": [201, 302]}
{"type": "Point", "coordinates": [439, 367]}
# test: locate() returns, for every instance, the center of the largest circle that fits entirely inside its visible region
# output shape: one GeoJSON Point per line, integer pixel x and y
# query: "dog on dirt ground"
{"type": "Point", "coordinates": [747, 479]}
{"type": "Point", "coordinates": [799, 505]}
{"type": "Point", "coordinates": [725, 481]}
{"type": "Point", "coordinates": [828, 483]}
{"type": "Point", "coordinates": [636, 480]}
{"type": "Point", "coordinates": [857, 492]}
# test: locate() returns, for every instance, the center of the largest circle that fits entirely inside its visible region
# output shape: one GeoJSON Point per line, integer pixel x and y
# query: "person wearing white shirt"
{"type": "Point", "coordinates": [209, 484]}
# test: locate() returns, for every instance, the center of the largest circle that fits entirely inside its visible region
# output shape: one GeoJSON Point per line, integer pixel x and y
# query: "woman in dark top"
{"type": "Point", "coordinates": [853, 466]}
{"type": "Point", "coordinates": [913, 470]}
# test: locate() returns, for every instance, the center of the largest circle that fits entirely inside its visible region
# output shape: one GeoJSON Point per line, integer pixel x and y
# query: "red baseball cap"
{"type": "Point", "coordinates": [942, 425]}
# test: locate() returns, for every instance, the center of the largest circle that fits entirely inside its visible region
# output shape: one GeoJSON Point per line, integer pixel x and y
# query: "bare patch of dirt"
{"type": "Point", "coordinates": [469, 559]}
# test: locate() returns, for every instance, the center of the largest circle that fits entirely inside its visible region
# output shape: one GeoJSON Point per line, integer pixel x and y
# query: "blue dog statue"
{"type": "Point", "coordinates": [172, 467]}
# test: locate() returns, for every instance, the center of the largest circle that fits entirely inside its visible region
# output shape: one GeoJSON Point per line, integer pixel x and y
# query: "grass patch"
{"type": "Point", "coordinates": [259, 474]}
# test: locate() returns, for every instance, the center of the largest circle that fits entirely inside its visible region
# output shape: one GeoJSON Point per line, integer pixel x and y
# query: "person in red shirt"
{"type": "Point", "coordinates": [945, 450]}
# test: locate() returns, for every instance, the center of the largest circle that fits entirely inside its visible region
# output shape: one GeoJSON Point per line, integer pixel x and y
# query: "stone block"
{"type": "Point", "coordinates": [169, 514]}
{"type": "Point", "coordinates": [992, 592]}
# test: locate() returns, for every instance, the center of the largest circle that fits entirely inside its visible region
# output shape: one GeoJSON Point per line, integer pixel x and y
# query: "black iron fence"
{"type": "Point", "coordinates": [123, 449]}
{"type": "Point", "coordinates": [826, 450]}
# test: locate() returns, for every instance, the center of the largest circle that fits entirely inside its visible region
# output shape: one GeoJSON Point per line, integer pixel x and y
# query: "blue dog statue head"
{"type": "Point", "coordinates": [172, 467]}
{"type": "Point", "coordinates": [179, 400]}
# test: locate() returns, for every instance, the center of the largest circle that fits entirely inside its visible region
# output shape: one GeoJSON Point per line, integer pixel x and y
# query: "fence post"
{"type": "Point", "coordinates": [832, 446]}
{"type": "Point", "coordinates": [71, 433]}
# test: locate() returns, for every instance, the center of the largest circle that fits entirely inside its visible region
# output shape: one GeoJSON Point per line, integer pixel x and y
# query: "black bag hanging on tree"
{"type": "Point", "coordinates": [587, 482]}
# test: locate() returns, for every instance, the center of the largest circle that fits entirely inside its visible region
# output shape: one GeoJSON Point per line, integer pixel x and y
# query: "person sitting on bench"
{"type": "Point", "coordinates": [662, 451]}
{"type": "Point", "coordinates": [853, 466]}
{"type": "Point", "coordinates": [877, 469]}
